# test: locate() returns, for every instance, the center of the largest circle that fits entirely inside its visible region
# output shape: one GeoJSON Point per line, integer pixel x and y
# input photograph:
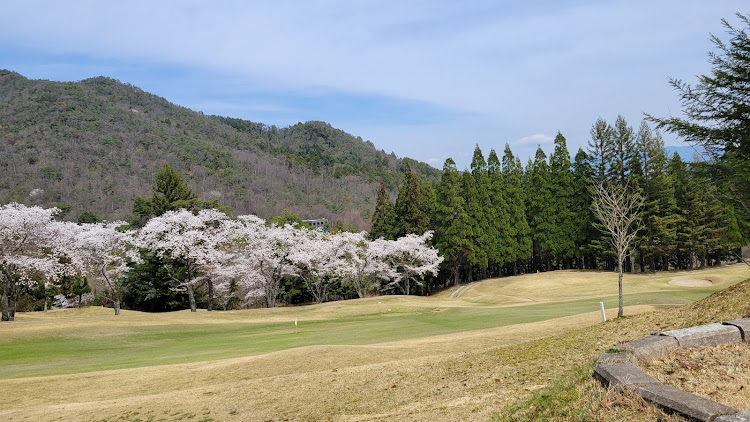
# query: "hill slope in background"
{"type": "Point", "coordinates": [96, 144]}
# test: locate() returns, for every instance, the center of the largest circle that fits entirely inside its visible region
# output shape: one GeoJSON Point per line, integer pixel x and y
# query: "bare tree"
{"type": "Point", "coordinates": [619, 209]}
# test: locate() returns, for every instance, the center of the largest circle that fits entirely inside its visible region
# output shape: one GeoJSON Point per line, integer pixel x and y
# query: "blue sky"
{"type": "Point", "coordinates": [424, 79]}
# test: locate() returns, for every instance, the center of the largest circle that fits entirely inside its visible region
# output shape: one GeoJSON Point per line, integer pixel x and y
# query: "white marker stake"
{"type": "Point", "coordinates": [295, 325]}
{"type": "Point", "coordinates": [604, 316]}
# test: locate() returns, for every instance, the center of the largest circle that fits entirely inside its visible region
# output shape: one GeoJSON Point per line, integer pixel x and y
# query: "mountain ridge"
{"type": "Point", "coordinates": [96, 144]}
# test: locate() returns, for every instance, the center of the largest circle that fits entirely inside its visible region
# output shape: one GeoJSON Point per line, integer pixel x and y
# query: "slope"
{"type": "Point", "coordinates": [94, 145]}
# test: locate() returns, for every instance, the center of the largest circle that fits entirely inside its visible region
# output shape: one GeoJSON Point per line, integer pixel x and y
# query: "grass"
{"type": "Point", "coordinates": [380, 358]}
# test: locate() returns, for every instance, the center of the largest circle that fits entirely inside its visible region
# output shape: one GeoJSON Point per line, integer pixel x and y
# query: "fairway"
{"type": "Point", "coordinates": [365, 359]}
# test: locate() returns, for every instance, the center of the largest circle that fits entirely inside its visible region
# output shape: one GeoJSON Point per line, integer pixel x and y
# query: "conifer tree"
{"type": "Point", "coordinates": [479, 212]}
{"type": "Point", "coordinates": [600, 149]}
{"type": "Point", "coordinates": [561, 190]}
{"type": "Point", "coordinates": [659, 216]}
{"type": "Point", "coordinates": [520, 247]}
{"type": "Point", "coordinates": [540, 210]}
{"type": "Point", "coordinates": [411, 216]}
{"type": "Point", "coordinates": [583, 218]}
{"type": "Point", "coordinates": [384, 218]}
{"type": "Point", "coordinates": [623, 150]}
{"type": "Point", "coordinates": [477, 258]}
{"type": "Point", "coordinates": [452, 224]}
{"type": "Point", "coordinates": [498, 215]}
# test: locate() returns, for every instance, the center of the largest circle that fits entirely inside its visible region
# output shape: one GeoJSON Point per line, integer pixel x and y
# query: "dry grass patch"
{"type": "Point", "coordinates": [720, 373]}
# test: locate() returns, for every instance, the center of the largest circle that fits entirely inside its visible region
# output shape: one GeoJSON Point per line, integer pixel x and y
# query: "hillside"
{"type": "Point", "coordinates": [96, 144]}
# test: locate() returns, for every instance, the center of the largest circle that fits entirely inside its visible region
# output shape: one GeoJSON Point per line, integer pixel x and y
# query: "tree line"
{"type": "Point", "coordinates": [500, 218]}
{"type": "Point", "coordinates": [182, 249]}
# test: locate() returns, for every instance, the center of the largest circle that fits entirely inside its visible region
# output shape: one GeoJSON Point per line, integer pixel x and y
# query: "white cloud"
{"type": "Point", "coordinates": [538, 138]}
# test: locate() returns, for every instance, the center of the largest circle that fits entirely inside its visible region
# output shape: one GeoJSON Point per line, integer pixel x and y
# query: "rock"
{"type": "Point", "coordinates": [743, 325]}
{"type": "Point", "coordinates": [649, 347]}
{"type": "Point", "coordinates": [705, 335]}
{"type": "Point", "coordinates": [684, 403]}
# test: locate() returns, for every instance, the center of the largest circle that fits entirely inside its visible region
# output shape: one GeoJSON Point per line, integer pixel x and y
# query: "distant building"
{"type": "Point", "coordinates": [318, 224]}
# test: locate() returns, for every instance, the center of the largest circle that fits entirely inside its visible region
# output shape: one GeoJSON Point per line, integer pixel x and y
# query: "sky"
{"type": "Point", "coordinates": [426, 79]}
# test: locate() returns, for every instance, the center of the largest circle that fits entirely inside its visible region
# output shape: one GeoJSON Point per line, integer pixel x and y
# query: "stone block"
{"type": "Point", "coordinates": [705, 335]}
{"type": "Point", "coordinates": [649, 347]}
{"type": "Point", "coordinates": [743, 325]}
{"type": "Point", "coordinates": [612, 358]}
{"type": "Point", "coordinates": [684, 403]}
{"type": "Point", "coordinates": [622, 375]}
{"type": "Point", "coordinates": [737, 417]}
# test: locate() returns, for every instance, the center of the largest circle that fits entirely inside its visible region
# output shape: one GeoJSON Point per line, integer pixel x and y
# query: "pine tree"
{"type": "Point", "coordinates": [384, 217]}
{"type": "Point", "coordinates": [520, 246]}
{"type": "Point", "coordinates": [452, 223]}
{"type": "Point", "coordinates": [411, 216]}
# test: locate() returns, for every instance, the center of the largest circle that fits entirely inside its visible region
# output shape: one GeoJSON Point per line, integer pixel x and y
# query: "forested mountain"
{"type": "Point", "coordinates": [94, 145]}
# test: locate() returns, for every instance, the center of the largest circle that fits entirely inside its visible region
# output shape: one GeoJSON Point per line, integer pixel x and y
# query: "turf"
{"type": "Point", "coordinates": [368, 359]}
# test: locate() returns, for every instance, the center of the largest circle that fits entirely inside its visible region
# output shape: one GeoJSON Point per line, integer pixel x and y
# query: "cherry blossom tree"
{"type": "Point", "coordinates": [193, 239]}
{"type": "Point", "coordinates": [105, 252]}
{"type": "Point", "coordinates": [264, 252]}
{"type": "Point", "coordinates": [360, 262]}
{"type": "Point", "coordinates": [31, 248]}
{"type": "Point", "coordinates": [316, 256]}
{"type": "Point", "coordinates": [412, 259]}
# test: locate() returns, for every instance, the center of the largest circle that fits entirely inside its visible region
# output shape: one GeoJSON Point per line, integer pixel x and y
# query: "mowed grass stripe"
{"type": "Point", "coordinates": [151, 345]}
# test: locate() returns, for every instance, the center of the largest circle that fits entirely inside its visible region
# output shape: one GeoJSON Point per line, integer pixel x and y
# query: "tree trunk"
{"type": "Point", "coordinates": [191, 296]}
{"type": "Point", "coordinates": [456, 277]}
{"type": "Point", "coordinates": [46, 300]}
{"type": "Point", "coordinates": [619, 286]}
{"type": "Point", "coordinates": [210, 294]}
{"type": "Point", "coordinates": [116, 305]}
{"type": "Point", "coordinates": [4, 306]}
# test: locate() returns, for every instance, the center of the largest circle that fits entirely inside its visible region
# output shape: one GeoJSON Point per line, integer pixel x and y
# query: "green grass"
{"type": "Point", "coordinates": [79, 351]}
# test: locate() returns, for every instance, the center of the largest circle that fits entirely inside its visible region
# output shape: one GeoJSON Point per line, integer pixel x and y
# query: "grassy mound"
{"type": "Point", "coordinates": [575, 396]}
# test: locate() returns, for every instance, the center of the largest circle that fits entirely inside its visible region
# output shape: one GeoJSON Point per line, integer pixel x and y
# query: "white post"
{"type": "Point", "coordinates": [604, 316]}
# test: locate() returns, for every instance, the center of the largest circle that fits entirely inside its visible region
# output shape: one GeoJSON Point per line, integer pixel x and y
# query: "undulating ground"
{"type": "Point", "coordinates": [488, 353]}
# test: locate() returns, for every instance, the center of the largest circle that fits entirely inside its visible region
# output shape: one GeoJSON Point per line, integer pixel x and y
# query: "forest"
{"type": "Point", "coordinates": [501, 218]}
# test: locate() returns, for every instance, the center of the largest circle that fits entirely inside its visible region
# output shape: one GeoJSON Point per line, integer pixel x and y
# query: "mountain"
{"type": "Point", "coordinates": [94, 145]}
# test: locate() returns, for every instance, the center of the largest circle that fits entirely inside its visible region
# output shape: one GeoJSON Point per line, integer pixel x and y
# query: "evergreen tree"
{"type": "Point", "coordinates": [623, 150]}
{"type": "Point", "coordinates": [601, 149]}
{"type": "Point", "coordinates": [519, 232]}
{"type": "Point", "coordinates": [717, 112]}
{"type": "Point", "coordinates": [540, 210]}
{"type": "Point", "coordinates": [561, 190]}
{"type": "Point", "coordinates": [584, 231]}
{"type": "Point", "coordinates": [411, 216]}
{"type": "Point", "coordinates": [171, 193]}
{"type": "Point", "coordinates": [660, 210]}
{"type": "Point", "coordinates": [384, 217]}
{"type": "Point", "coordinates": [498, 215]}
{"type": "Point", "coordinates": [478, 205]}
{"type": "Point", "coordinates": [452, 223]}
{"type": "Point", "coordinates": [477, 257]}
{"type": "Point", "coordinates": [690, 213]}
